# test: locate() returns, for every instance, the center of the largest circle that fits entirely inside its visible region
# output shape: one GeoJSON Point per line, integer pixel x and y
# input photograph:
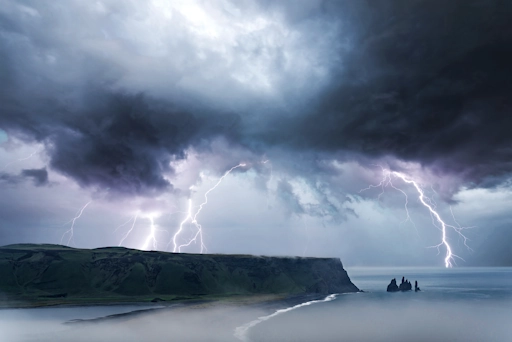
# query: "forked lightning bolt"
{"type": "Point", "coordinates": [180, 229]}
{"type": "Point", "coordinates": [193, 218]}
{"type": "Point", "coordinates": [134, 218]}
{"type": "Point", "coordinates": [70, 231]}
{"type": "Point", "coordinates": [152, 236]}
{"type": "Point", "coordinates": [430, 205]}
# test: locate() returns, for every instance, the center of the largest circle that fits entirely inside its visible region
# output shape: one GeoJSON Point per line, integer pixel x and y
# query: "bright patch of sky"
{"type": "Point", "coordinates": [3, 136]}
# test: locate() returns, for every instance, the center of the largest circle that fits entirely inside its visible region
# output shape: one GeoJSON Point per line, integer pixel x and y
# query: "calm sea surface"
{"type": "Point", "coordinates": [459, 304]}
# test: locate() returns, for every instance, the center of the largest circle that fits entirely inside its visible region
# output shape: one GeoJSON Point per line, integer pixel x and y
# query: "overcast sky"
{"type": "Point", "coordinates": [131, 110]}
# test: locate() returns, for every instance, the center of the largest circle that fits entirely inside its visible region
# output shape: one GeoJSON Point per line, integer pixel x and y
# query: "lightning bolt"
{"type": "Point", "coordinates": [193, 218]}
{"type": "Point", "coordinates": [134, 218]}
{"type": "Point", "coordinates": [20, 160]}
{"type": "Point", "coordinates": [70, 231]}
{"type": "Point", "coordinates": [428, 203]}
{"type": "Point", "coordinates": [152, 235]}
{"type": "Point", "coordinates": [180, 229]}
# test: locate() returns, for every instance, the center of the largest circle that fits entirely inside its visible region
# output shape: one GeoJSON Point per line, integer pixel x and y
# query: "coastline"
{"type": "Point", "coordinates": [218, 319]}
{"type": "Point", "coordinates": [241, 299]}
{"type": "Point", "coordinates": [270, 303]}
{"type": "Point", "coordinates": [241, 331]}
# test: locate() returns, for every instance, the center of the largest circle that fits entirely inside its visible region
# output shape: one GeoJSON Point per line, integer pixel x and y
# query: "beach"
{"type": "Point", "coordinates": [212, 320]}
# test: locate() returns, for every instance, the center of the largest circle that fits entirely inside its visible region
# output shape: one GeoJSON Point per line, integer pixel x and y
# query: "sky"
{"type": "Point", "coordinates": [117, 117]}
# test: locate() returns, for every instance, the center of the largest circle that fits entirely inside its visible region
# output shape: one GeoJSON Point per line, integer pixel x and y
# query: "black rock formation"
{"type": "Point", "coordinates": [405, 285]}
{"type": "Point", "coordinates": [393, 287]}
{"type": "Point", "coordinates": [416, 287]}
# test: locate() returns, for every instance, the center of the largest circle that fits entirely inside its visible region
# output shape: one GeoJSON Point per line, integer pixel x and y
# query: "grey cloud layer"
{"type": "Point", "coordinates": [423, 81]}
{"type": "Point", "coordinates": [426, 82]}
{"type": "Point", "coordinates": [38, 176]}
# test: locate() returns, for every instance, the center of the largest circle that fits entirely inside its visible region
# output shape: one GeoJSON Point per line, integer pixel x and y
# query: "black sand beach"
{"type": "Point", "coordinates": [212, 320]}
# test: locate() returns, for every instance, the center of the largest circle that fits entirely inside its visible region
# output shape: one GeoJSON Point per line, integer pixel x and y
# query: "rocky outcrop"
{"type": "Point", "coordinates": [404, 286]}
{"type": "Point", "coordinates": [115, 273]}
{"type": "Point", "coordinates": [416, 287]}
{"type": "Point", "coordinates": [393, 287]}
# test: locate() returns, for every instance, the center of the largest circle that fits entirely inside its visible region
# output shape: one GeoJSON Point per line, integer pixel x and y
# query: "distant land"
{"type": "Point", "coordinates": [39, 275]}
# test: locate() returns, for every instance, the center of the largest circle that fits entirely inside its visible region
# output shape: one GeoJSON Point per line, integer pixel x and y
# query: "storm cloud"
{"type": "Point", "coordinates": [116, 91]}
{"type": "Point", "coordinates": [39, 176]}
{"type": "Point", "coordinates": [426, 82]}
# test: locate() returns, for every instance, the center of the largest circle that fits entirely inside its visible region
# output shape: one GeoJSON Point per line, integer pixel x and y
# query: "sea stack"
{"type": "Point", "coordinates": [416, 287]}
{"type": "Point", "coordinates": [393, 287]}
{"type": "Point", "coordinates": [405, 285]}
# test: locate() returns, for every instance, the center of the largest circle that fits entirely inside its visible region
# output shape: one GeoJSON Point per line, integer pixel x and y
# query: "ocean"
{"type": "Point", "coordinates": [458, 304]}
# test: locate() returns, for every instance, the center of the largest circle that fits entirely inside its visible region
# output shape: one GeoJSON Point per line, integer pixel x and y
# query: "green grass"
{"type": "Point", "coordinates": [52, 274]}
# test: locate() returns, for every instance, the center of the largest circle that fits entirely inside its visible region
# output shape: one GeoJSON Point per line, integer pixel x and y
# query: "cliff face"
{"type": "Point", "coordinates": [43, 272]}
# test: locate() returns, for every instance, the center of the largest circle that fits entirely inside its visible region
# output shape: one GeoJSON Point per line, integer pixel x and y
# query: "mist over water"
{"type": "Point", "coordinates": [177, 323]}
{"type": "Point", "coordinates": [463, 304]}
{"type": "Point", "coordinates": [46, 323]}
{"type": "Point", "coordinates": [388, 320]}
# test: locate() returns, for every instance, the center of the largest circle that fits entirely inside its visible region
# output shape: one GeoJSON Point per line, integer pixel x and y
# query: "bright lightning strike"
{"type": "Point", "coordinates": [134, 218]}
{"type": "Point", "coordinates": [152, 235]}
{"type": "Point", "coordinates": [70, 231]}
{"type": "Point", "coordinates": [430, 204]}
{"type": "Point", "coordinates": [193, 218]}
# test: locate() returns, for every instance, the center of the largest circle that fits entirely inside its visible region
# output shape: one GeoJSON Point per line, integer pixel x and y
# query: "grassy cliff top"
{"type": "Point", "coordinates": [46, 273]}
{"type": "Point", "coordinates": [48, 246]}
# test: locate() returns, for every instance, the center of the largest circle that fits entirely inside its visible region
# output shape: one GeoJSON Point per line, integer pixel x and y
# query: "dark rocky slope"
{"type": "Point", "coordinates": [52, 273]}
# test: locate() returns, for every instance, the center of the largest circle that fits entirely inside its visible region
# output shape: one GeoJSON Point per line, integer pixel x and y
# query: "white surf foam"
{"type": "Point", "coordinates": [241, 331]}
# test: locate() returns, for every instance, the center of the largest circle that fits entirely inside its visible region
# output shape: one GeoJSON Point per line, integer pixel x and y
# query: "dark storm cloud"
{"type": "Point", "coordinates": [39, 176]}
{"type": "Point", "coordinates": [426, 81]}
{"type": "Point", "coordinates": [122, 142]}
{"type": "Point", "coordinates": [423, 81]}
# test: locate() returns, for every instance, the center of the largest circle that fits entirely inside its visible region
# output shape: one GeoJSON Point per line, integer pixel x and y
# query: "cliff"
{"type": "Point", "coordinates": [57, 274]}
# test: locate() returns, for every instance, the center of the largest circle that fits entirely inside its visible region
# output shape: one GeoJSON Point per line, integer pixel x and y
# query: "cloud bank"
{"type": "Point", "coordinates": [116, 90]}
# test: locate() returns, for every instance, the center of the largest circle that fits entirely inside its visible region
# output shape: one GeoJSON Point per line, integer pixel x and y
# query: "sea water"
{"type": "Point", "coordinates": [457, 304]}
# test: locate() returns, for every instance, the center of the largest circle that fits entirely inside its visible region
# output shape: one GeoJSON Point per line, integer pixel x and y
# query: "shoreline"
{"type": "Point", "coordinates": [219, 319]}
{"type": "Point", "coordinates": [241, 331]}
{"type": "Point", "coordinates": [28, 304]}
{"type": "Point", "coordinates": [266, 307]}
{"type": "Point", "coordinates": [251, 299]}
